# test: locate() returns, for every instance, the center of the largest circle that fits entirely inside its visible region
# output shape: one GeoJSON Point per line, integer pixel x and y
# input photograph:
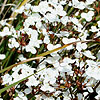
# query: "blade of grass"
{"type": "Point", "coordinates": [24, 61]}
{"type": "Point", "coordinates": [42, 55]}
{"type": "Point", "coordinates": [8, 87]}
{"type": "Point", "coordinates": [64, 46]}
{"type": "Point", "coordinates": [3, 6]}
{"type": "Point", "coordinates": [48, 52]}
{"type": "Point", "coordinates": [14, 14]}
{"type": "Point", "coordinates": [7, 60]}
{"type": "Point", "coordinates": [69, 12]}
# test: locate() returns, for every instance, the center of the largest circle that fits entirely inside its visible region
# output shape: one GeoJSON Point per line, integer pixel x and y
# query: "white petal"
{"type": "Point", "coordinates": [2, 56]}
{"type": "Point", "coordinates": [90, 89]}
{"type": "Point", "coordinates": [83, 15]}
{"type": "Point", "coordinates": [89, 55]}
{"type": "Point", "coordinates": [27, 91]}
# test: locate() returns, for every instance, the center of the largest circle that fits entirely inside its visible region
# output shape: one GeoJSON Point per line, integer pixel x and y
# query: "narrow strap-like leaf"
{"type": "Point", "coordinates": [14, 14]}
{"type": "Point", "coordinates": [8, 87]}
{"type": "Point", "coordinates": [42, 55]}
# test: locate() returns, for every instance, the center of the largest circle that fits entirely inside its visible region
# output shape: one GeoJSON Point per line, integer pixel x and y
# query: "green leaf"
{"type": "Point", "coordinates": [42, 55]}
{"type": "Point", "coordinates": [10, 67]}
{"type": "Point", "coordinates": [8, 87]}
{"type": "Point", "coordinates": [70, 11]}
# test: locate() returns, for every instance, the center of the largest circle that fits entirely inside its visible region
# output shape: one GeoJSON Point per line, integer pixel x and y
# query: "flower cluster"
{"type": "Point", "coordinates": [72, 73]}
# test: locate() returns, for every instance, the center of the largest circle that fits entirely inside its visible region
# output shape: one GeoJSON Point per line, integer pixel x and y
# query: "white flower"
{"type": "Point", "coordinates": [27, 90]}
{"type": "Point", "coordinates": [28, 22]}
{"type": "Point", "coordinates": [87, 16]}
{"type": "Point", "coordinates": [63, 2]}
{"type": "Point", "coordinates": [49, 98]}
{"type": "Point", "coordinates": [64, 20]}
{"type": "Point", "coordinates": [3, 22]}
{"type": "Point", "coordinates": [21, 57]}
{"type": "Point", "coordinates": [18, 67]}
{"type": "Point", "coordinates": [93, 70]}
{"type": "Point", "coordinates": [98, 34]}
{"type": "Point", "coordinates": [62, 33]}
{"type": "Point", "coordinates": [15, 34]}
{"type": "Point", "coordinates": [32, 81]}
{"type": "Point", "coordinates": [91, 82]}
{"type": "Point", "coordinates": [89, 55]}
{"type": "Point", "coordinates": [51, 46]}
{"type": "Point", "coordinates": [5, 32]}
{"type": "Point", "coordinates": [65, 66]}
{"type": "Point", "coordinates": [21, 96]}
{"type": "Point", "coordinates": [77, 13]}
{"type": "Point", "coordinates": [91, 13]}
{"type": "Point", "coordinates": [85, 94]}
{"type": "Point", "coordinates": [46, 87]}
{"type": "Point", "coordinates": [27, 6]}
{"type": "Point", "coordinates": [91, 63]}
{"type": "Point", "coordinates": [57, 93]}
{"type": "Point", "coordinates": [2, 56]}
{"type": "Point", "coordinates": [90, 89]}
{"type": "Point", "coordinates": [83, 35]}
{"type": "Point", "coordinates": [30, 48]}
{"type": "Point", "coordinates": [46, 98]}
{"type": "Point", "coordinates": [77, 54]}
{"type": "Point", "coordinates": [44, 31]}
{"type": "Point", "coordinates": [20, 10]}
{"type": "Point", "coordinates": [66, 96]}
{"type": "Point", "coordinates": [88, 2]}
{"type": "Point", "coordinates": [80, 46]}
{"type": "Point", "coordinates": [98, 23]}
{"type": "Point", "coordinates": [79, 5]}
{"type": "Point", "coordinates": [53, 60]}
{"type": "Point", "coordinates": [53, 1]}
{"type": "Point", "coordinates": [80, 96]}
{"type": "Point", "coordinates": [66, 41]}
{"type": "Point", "coordinates": [50, 77]}
{"type": "Point", "coordinates": [33, 34]}
{"type": "Point", "coordinates": [13, 43]}
{"type": "Point", "coordinates": [81, 64]}
{"type": "Point", "coordinates": [24, 98]}
{"type": "Point", "coordinates": [16, 77]}
{"type": "Point", "coordinates": [25, 71]}
{"type": "Point", "coordinates": [67, 60]}
{"type": "Point", "coordinates": [6, 79]}
{"type": "Point", "coordinates": [70, 3]}
{"type": "Point", "coordinates": [34, 42]}
{"type": "Point", "coordinates": [98, 96]}
{"type": "Point", "coordinates": [52, 17]}
{"type": "Point", "coordinates": [93, 29]}
{"type": "Point", "coordinates": [98, 54]}
{"type": "Point", "coordinates": [38, 24]}
{"type": "Point", "coordinates": [75, 21]}
{"type": "Point", "coordinates": [42, 7]}
{"type": "Point", "coordinates": [35, 17]}
{"type": "Point", "coordinates": [59, 10]}
{"type": "Point", "coordinates": [37, 43]}
{"type": "Point", "coordinates": [46, 40]}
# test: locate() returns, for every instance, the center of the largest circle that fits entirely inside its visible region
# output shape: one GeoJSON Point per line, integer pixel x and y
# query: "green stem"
{"type": "Point", "coordinates": [8, 87]}
{"type": "Point", "coordinates": [69, 12]}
